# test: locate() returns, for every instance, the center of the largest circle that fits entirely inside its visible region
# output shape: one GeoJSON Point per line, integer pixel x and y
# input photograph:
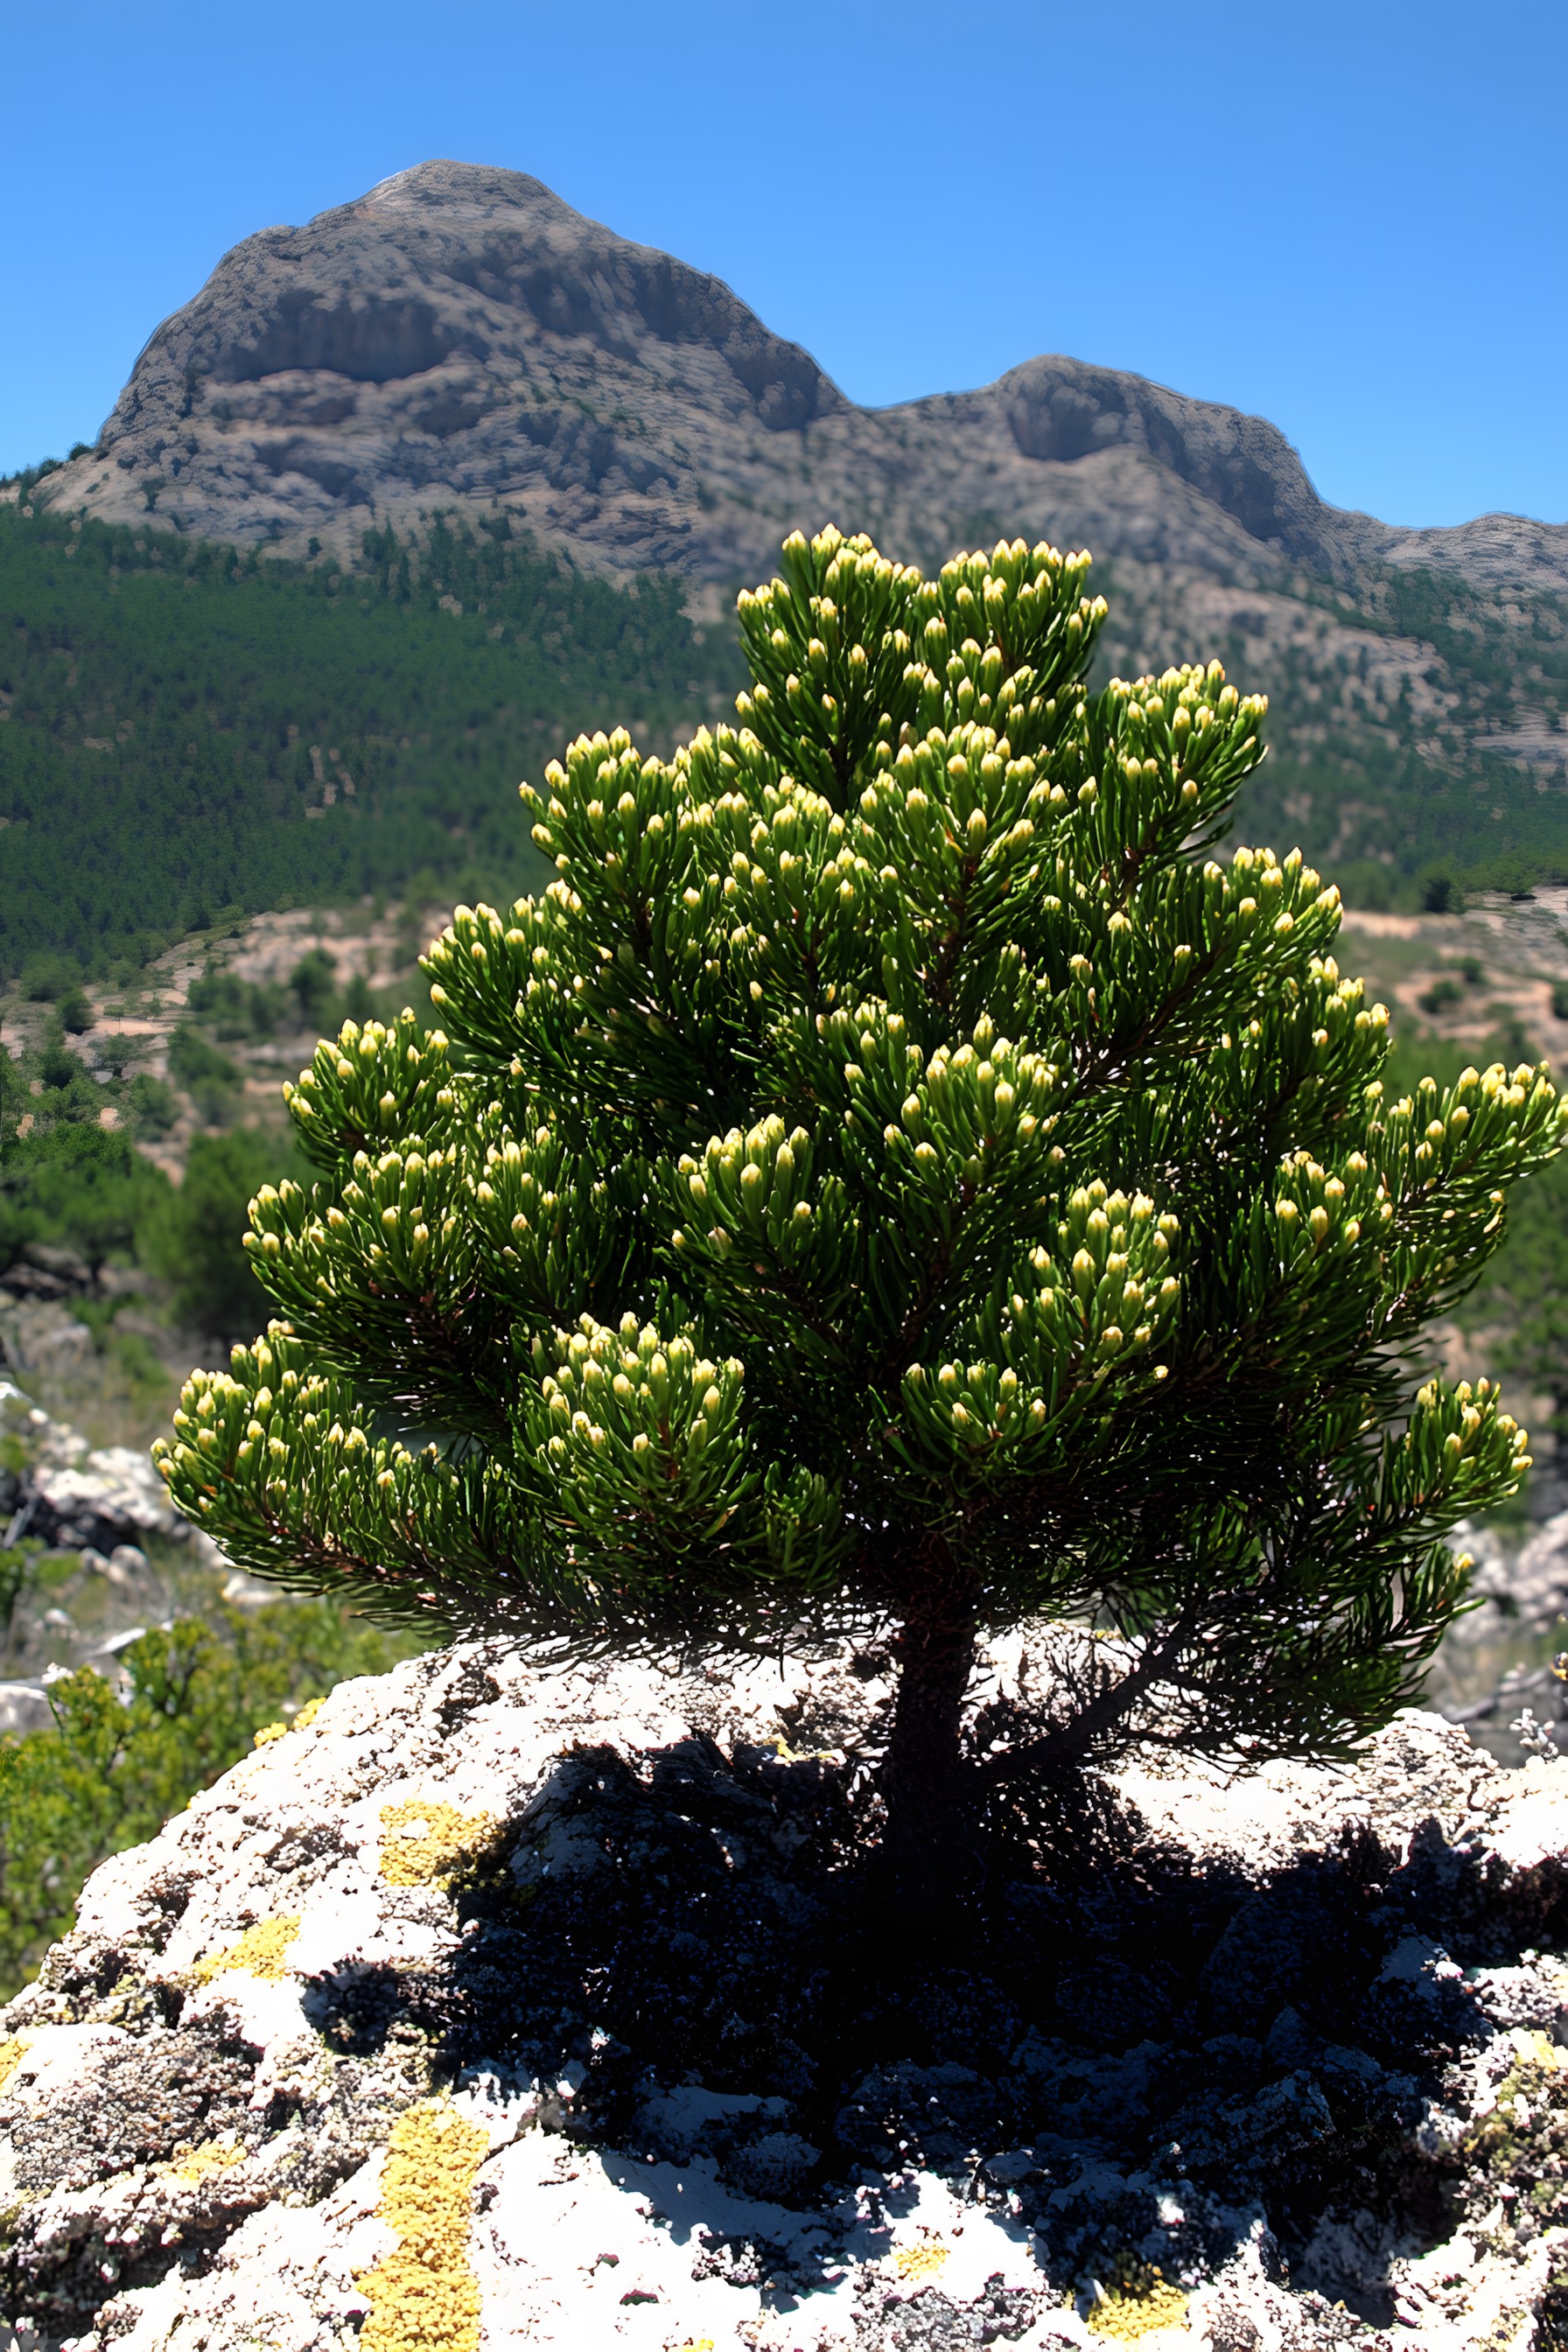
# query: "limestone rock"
{"type": "Point", "coordinates": [460, 338]}
{"type": "Point", "coordinates": [500, 2005]}
{"type": "Point", "coordinates": [77, 1495]}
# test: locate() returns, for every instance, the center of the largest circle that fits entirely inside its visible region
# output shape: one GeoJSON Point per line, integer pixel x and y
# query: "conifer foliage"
{"type": "Point", "coordinates": [895, 1177]}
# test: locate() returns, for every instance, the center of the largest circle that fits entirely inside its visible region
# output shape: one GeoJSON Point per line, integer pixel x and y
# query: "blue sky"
{"type": "Point", "coordinates": [1352, 219]}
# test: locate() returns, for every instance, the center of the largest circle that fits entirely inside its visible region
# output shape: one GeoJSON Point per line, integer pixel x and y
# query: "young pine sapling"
{"type": "Point", "coordinates": [895, 1177]}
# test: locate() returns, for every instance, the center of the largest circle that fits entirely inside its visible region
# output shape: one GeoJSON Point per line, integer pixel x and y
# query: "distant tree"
{"type": "Point", "coordinates": [895, 1177]}
{"type": "Point", "coordinates": [314, 984]}
{"type": "Point", "coordinates": [77, 1187]}
{"type": "Point", "coordinates": [153, 1109]}
{"type": "Point", "coordinates": [234, 1007]}
{"type": "Point", "coordinates": [209, 1077]}
{"type": "Point", "coordinates": [194, 1237]}
{"type": "Point", "coordinates": [47, 977]}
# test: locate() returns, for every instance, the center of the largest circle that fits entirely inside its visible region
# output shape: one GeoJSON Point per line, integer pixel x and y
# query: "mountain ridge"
{"type": "Point", "coordinates": [460, 338]}
{"type": "Point", "coordinates": [460, 344]}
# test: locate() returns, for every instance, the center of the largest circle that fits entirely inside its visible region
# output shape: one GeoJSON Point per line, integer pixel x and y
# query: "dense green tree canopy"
{"type": "Point", "coordinates": [895, 1175]}
{"type": "Point", "coordinates": [77, 1187]}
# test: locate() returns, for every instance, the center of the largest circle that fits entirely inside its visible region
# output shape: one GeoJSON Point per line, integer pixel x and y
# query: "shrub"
{"type": "Point", "coordinates": [46, 978]}
{"type": "Point", "coordinates": [111, 1770]}
{"type": "Point", "coordinates": [79, 1187]}
{"type": "Point", "coordinates": [314, 984]}
{"type": "Point", "coordinates": [209, 1077]}
{"type": "Point", "coordinates": [1440, 892]}
{"type": "Point", "coordinates": [235, 1007]}
{"type": "Point", "coordinates": [894, 1178]}
{"type": "Point", "coordinates": [153, 1107]}
{"type": "Point", "coordinates": [1367, 885]}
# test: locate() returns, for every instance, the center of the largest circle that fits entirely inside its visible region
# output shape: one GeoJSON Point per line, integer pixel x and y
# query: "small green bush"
{"type": "Point", "coordinates": [59, 1067]}
{"type": "Point", "coordinates": [314, 984]}
{"type": "Point", "coordinates": [1440, 892]}
{"type": "Point", "coordinates": [1367, 885]}
{"type": "Point", "coordinates": [111, 1771]}
{"type": "Point", "coordinates": [153, 1109]}
{"type": "Point", "coordinates": [79, 1187]}
{"type": "Point", "coordinates": [209, 1077]}
{"type": "Point", "coordinates": [236, 1008]}
{"type": "Point", "coordinates": [46, 978]}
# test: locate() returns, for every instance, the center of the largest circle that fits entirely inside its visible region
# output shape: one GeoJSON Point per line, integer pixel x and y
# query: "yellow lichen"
{"type": "Point", "coordinates": [424, 2297]}
{"type": "Point", "coordinates": [259, 1952]}
{"type": "Point", "coordinates": [1141, 2300]}
{"type": "Point", "coordinates": [212, 2156]}
{"type": "Point", "coordinates": [12, 2051]}
{"type": "Point", "coordinates": [296, 1722]}
{"type": "Point", "coordinates": [921, 2261]}
{"type": "Point", "coordinates": [427, 1841]}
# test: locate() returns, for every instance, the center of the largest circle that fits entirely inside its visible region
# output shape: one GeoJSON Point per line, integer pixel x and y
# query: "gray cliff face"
{"type": "Point", "coordinates": [460, 338]}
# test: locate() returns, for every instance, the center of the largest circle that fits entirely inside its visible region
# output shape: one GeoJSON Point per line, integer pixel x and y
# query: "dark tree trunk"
{"type": "Point", "coordinates": [921, 1779]}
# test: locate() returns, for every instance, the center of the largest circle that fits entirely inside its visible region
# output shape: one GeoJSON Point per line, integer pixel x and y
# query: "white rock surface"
{"type": "Point", "coordinates": [296, 2079]}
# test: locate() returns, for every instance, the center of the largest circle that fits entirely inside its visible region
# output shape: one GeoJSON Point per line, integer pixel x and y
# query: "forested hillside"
{"type": "Point", "coordinates": [186, 730]}
{"type": "Point", "coordinates": [191, 731]}
{"type": "Point", "coordinates": [1418, 725]}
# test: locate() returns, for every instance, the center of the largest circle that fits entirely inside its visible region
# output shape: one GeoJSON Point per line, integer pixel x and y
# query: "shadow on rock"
{"type": "Point", "coordinates": [1132, 2056]}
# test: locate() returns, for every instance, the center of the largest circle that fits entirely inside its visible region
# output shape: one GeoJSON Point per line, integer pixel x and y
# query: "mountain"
{"type": "Point", "coordinates": [460, 337]}
{"type": "Point", "coordinates": [461, 341]}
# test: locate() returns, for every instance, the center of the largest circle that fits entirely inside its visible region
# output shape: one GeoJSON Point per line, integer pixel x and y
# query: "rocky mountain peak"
{"type": "Point", "coordinates": [1060, 409]}
{"type": "Point", "coordinates": [461, 339]}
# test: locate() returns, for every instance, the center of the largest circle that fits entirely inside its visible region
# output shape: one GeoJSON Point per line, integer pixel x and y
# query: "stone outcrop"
{"type": "Point", "coordinates": [75, 1495]}
{"type": "Point", "coordinates": [460, 338]}
{"type": "Point", "coordinates": [109, 1506]}
{"type": "Point", "coordinates": [494, 2005]}
{"type": "Point", "coordinates": [1502, 1655]}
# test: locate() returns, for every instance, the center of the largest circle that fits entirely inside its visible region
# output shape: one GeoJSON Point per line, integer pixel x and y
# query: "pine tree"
{"type": "Point", "coordinates": [895, 1177]}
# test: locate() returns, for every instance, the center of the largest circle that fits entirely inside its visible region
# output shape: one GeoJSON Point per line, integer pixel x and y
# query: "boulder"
{"type": "Point", "coordinates": [63, 1265]}
{"type": "Point", "coordinates": [24, 1707]}
{"type": "Point", "coordinates": [507, 2004]}
{"type": "Point", "coordinates": [103, 1499]}
{"type": "Point", "coordinates": [38, 1329]}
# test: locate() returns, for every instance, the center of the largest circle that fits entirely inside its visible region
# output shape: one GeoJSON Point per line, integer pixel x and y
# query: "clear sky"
{"type": "Point", "coordinates": [1348, 215]}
